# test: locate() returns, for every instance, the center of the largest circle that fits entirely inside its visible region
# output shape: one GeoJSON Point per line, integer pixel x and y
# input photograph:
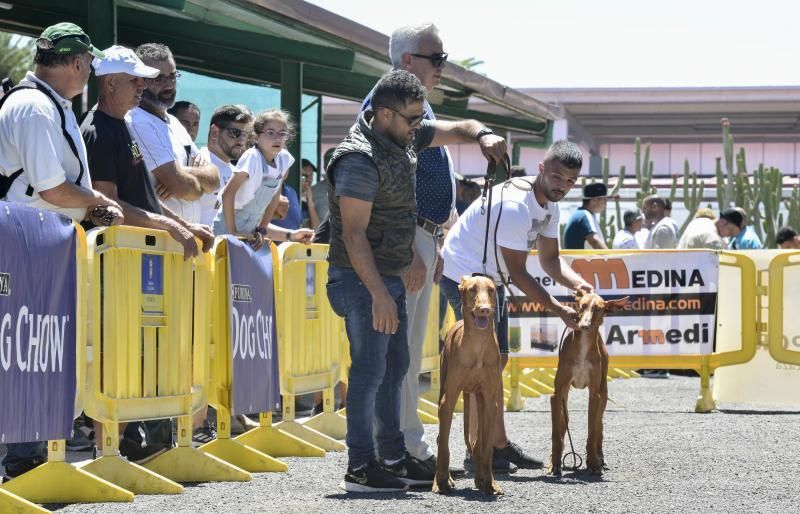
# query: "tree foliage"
{"type": "Point", "coordinates": [16, 55]}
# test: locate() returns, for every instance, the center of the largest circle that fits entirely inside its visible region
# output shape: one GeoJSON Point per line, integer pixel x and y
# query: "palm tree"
{"type": "Point", "coordinates": [16, 55]}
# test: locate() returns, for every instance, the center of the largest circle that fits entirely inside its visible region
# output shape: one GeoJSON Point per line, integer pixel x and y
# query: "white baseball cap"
{"type": "Point", "coordinates": [123, 60]}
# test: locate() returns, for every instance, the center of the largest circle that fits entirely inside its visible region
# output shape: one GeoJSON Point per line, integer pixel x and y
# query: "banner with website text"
{"type": "Point", "coordinates": [672, 308]}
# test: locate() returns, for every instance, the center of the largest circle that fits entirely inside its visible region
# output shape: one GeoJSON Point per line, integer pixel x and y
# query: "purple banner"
{"type": "Point", "coordinates": [254, 344]}
{"type": "Point", "coordinates": [37, 324]}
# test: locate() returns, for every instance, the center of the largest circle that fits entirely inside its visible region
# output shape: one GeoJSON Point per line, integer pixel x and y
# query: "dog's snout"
{"type": "Point", "coordinates": [483, 310]}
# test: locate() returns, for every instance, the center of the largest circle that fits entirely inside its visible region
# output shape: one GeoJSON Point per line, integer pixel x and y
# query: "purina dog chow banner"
{"type": "Point", "coordinates": [38, 295]}
{"type": "Point", "coordinates": [672, 308]}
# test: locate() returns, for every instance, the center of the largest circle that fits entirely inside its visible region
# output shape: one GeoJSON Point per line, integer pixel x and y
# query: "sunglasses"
{"type": "Point", "coordinates": [233, 132]}
{"type": "Point", "coordinates": [277, 134]}
{"type": "Point", "coordinates": [412, 121]}
{"type": "Point", "coordinates": [163, 79]}
{"type": "Point", "coordinates": [437, 60]}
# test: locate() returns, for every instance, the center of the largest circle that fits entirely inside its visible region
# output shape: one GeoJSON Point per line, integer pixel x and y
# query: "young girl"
{"type": "Point", "coordinates": [251, 196]}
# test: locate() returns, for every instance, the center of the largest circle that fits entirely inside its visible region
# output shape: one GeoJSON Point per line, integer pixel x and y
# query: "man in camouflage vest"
{"type": "Point", "coordinates": [371, 184]}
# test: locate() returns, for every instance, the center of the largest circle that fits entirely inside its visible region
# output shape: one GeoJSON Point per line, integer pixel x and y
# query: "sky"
{"type": "Point", "coordinates": [611, 43]}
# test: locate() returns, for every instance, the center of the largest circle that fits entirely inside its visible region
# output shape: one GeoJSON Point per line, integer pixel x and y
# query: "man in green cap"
{"type": "Point", "coordinates": [43, 158]}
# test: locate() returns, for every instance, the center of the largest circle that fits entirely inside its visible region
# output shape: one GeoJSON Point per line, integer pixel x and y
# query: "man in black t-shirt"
{"type": "Point", "coordinates": [115, 161]}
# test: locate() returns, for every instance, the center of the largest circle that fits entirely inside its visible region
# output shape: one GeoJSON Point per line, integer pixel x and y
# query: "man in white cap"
{"type": "Point", "coordinates": [118, 169]}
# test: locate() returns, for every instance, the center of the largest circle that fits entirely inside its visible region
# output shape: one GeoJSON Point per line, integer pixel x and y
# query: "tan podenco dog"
{"type": "Point", "coordinates": [470, 363]}
{"type": "Point", "coordinates": [583, 362]}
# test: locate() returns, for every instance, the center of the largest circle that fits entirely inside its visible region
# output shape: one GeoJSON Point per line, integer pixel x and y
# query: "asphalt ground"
{"type": "Point", "coordinates": [662, 457]}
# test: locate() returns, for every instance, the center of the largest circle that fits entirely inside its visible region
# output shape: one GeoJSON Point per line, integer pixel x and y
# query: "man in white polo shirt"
{"type": "Point", "coordinates": [169, 153]}
{"type": "Point", "coordinates": [227, 135]}
{"type": "Point", "coordinates": [48, 163]}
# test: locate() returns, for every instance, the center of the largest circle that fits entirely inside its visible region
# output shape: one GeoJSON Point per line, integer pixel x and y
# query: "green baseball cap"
{"type": "Point", "coordinates": [66, 39]}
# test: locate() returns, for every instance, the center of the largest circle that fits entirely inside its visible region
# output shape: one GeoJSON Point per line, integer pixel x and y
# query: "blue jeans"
{"type": "Point", "coordinates": [379, 364]}
{"type": "Point", "coordinates": [450, 290]}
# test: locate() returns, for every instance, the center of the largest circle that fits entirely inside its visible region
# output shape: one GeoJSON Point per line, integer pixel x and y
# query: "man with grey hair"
{"type": "Point", "coordinates": [180, 177]}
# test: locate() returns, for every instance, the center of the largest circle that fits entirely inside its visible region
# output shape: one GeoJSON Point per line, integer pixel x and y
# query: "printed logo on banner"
{"type": "Point", "coordinates": [152, 283]}
{"type": "Point", "coordinates": [241, 293]}
{"type": "Point", "coordinates": [672, 308]}
{"type": "Point", "coordinates": [5, 284]}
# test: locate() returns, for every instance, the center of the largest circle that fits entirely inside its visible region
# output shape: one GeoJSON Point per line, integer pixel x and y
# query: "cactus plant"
{"type": "Point", "coordinates": [644, 172]}
{"type": "Point", "coordinates": [793, 206]}
{"type": "Point", "coordinates": [692, 194]}
{"type": "Point", "coordinates": [610, 225]}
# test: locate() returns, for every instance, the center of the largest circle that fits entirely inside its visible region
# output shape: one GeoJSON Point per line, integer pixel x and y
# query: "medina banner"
{"type": "Point", "coordinates": [38, 297]}
{"type": "Point", "coordinates": [254, 344]}
{"type": "Point", "coordinates": [672, 308]}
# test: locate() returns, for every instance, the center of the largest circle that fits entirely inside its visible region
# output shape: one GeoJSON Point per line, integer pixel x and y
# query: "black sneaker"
{"type": "Point", "coordinates": [513, 453]}
{"type": "Point", "coordinates": [430, 463]}
{"type": "Point", "coordinates": [204, 434]}
{"type": "Point", "coordinates": [82, 436]}
{"type": "Point", "coordinates": [372, 478]}
{"type": "Point", "coordinates": [500, 466]}
{"type": "Point", "coordinates": [412, 471]}
{"type": "Point", "coordinates": [18, 468]}
{"type": "Point", "coordinates": [138, 452]}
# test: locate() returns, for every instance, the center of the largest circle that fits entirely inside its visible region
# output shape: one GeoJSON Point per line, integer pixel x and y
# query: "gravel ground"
{"type": "Point", "coordinates": [662, 457]}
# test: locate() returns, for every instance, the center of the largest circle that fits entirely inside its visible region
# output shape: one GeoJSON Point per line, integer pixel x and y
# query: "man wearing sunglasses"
{"type": "Point", "coordinates": [373, 221]}
{"type": "Point", "coordinates": [227, 135]}
{"type": "Point", "coordinates": [180, 177]}
{"type": "Point", "coordinates": [419, 50]}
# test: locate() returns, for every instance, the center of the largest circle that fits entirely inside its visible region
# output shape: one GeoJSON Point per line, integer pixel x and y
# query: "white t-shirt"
{"type": "Point", "coordinates": [208, 202]}
{"type": "Point", "coordinates": [624, 240]}
{"type": "Point", "coordinates": [161, 142]}
{"type": "Point", "coordinates": [522, 221]}
{"type": "Point", "coordinates": [701, 233]}
{"type": "Point", "coordinates": [31, 139]}
{"type": "Point", "coordinates": [257, 168]}
{"type": "Point", "coordinates": [664, 235]}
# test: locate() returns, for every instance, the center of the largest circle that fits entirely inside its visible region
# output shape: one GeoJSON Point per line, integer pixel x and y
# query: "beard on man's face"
{"type": "Point", "coordinates": [163, 100]}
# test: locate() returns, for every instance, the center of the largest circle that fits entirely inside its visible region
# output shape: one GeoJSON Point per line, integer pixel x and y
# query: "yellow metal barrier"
{"type": "Point", "coordinates": [220, 391]}
{"type": "Point", "coordinates": [428, 410]}
{"type": "Point", "coordinates": [57, 481]}
{"type": "Point", "coordinates": [309, 352]}
{"type": "Point", "coordinates": [146, 357]}
{"type": "Point", "coordinates": [777, 311]}
{"type": "Point", "coordinates": [703, 364]}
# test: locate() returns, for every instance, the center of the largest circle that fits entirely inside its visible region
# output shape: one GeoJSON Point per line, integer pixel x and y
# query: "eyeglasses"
{"type": "Point", "coordinates": [437, 60]}
{"type": "Point", "coordinates": [412, 121]}
{"type": "Point", "coordinates": [277, 134]}
{"type": "Point", "coordinates": [233, 132]}
{"type": "Point", "coordinates": [163, 79]}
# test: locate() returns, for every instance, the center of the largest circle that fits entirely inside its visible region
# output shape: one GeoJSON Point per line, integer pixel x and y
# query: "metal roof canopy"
{"type": "Point", "coordinates": [296, 45]}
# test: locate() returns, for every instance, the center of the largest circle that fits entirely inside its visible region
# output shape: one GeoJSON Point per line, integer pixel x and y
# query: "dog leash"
{"type": "Point", "coordinates": [577, 460]}
{"type": "Point", "coordinates": [486, 207]}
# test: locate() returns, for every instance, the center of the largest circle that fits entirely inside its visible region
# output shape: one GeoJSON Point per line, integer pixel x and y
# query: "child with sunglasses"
{"type": "Point", "coordinates": [251, 196]}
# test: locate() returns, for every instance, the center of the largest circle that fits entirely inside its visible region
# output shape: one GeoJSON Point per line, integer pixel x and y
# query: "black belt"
{"type": "Point", "coordinates": [430, 227]}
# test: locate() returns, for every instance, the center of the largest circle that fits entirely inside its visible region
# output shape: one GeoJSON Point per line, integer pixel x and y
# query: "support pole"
{"type": "Point", "coordinates": [292, 101]}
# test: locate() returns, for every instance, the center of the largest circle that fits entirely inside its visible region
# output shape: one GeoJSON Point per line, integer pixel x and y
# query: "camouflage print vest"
{"type": "Point", "coordinates": [394, 209]}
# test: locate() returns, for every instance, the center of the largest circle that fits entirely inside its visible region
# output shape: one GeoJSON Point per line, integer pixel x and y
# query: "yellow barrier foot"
{"type": "Point", "coordinates": [243, 456]}
{"type": "Point", "coordinates": [535, 385]}
{"type": "Point", "coordinates": [342, 413]}
{"type": "Point", "coordinates": [329, 423]}
{"type": "Point", "coordinates": [310, 435]}
{"type": "Point", "coordinates": [618, 373]}
{"type": "Point", "coordinates": [185, 464]}
{"type": "Point", "coordinates": [61, 482]}
{"type": "Point", "coordinates": [459, 404]}
{"type": "Point", "coordinates": [426, 418]}
{"type": "Point", "coordinates": [130, 476]}
{"type": "Point", "coordinates": [515, 401]}
{"type": "Point", "coordinates": [431, 408]}
{"type": "Point", "coordinates": [276, 443]}
{"type": "Point", "coordinates": [12, 504]}
{"type": "Point", "coordinates": [633, 374]}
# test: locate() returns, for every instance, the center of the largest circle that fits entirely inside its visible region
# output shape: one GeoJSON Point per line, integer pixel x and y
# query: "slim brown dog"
{"type": "Point", "coordinates": [470, 363]}
{"type": "Point", "coordinates": [583, 362]}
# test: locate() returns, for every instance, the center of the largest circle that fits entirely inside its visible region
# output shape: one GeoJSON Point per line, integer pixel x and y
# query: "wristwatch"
{"type": "Point", "coordinates": [483, 132]}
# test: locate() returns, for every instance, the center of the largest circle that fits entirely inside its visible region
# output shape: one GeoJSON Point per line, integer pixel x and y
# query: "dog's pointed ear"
{"type": "Point", "coordinates": [463, 283]}
{"type": "Point", "coordinates": [615, 305]}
